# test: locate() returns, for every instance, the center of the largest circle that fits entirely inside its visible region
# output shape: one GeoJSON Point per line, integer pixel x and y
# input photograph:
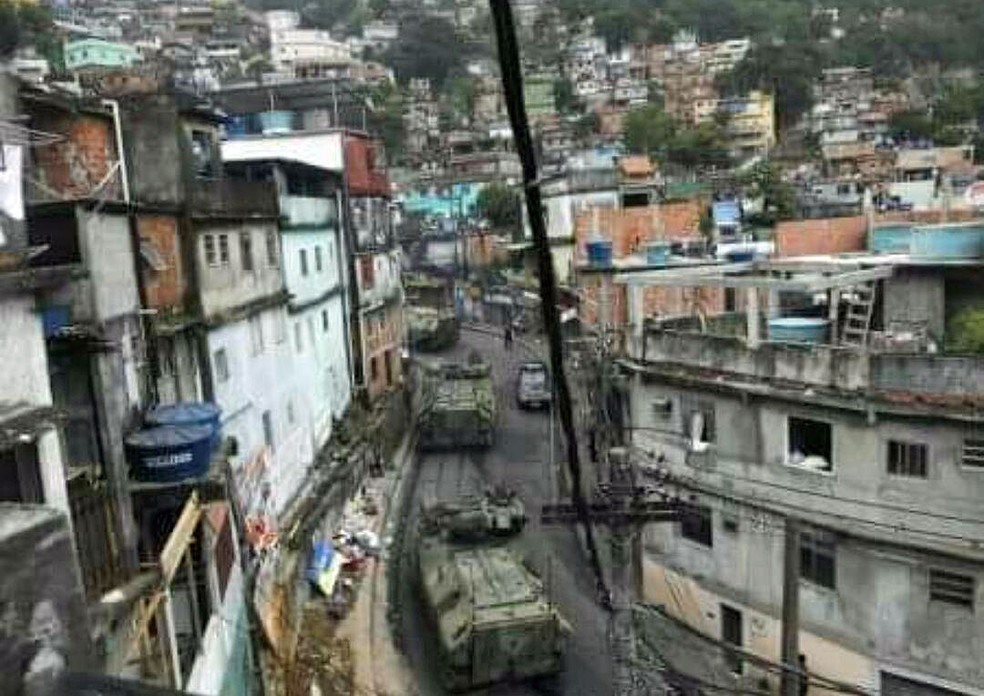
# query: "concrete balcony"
{"type": "Point", "coordinates": [721, 350]}
{"type": "Point", "coordinates": [231, 198]}
{"type": "Point", "coordinates": [308, 211]}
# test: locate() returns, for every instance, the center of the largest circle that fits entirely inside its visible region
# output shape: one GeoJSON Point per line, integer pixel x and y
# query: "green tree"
{"type": "Point", "coordinates": [428, 46]}
{"type": "Point", "coordinates": [386, 119]}
{"type": "Point", "coordinates": [910, 125]}
{"type": "Point", "coordinates": [764, 180]}
{"type": "Point", "coordinates": [788, 71]}
{"type": "Point", "coordinates": [965, 332]}
{"type": "Point", "coordinates": [586, 126]}
{"type": "Point", "coordinates": [649, 131]}
{"type": "Point", "coordinates": [702, 146]}
{"type": "Point", "coordinates": [499, 204]}
{"type": "Point", "coordinates": [564, 98]}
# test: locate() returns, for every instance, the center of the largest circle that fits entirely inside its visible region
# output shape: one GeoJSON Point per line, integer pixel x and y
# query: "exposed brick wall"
{"type": "Point", "coordinates": [166, 288]}
{"type": "Point", "coordinates": [823, 236]}
{"type": "Point", "coordinates": [382, 338]}
{"type": "Point", "coordinates": [658, 301]}
{"type": "Point", "coordinates": [630, 228]}
{"type": "Point", "coordinates": [928, 217]}
{"type": "Point", "coordinates": [73, 167]}
{"type": "Point", "coordinates": [366, 176]}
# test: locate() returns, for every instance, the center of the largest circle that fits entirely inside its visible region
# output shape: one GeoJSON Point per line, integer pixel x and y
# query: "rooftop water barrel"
{"type": "Point", "coordinates": [599, 253]}
{"type": "Point", "coordinates": [741, 255]}
{"type": "Point", "coordinates": [798, 330]}
{"type": "Point", "coordinates": [236, 127]}
{"type": "Point", "coordinates": [188, 413]}
{"type": "Point", "coordinates": [891, 239]}
{"type": "Point", "coordinates": [276, 121]}
{"type": "Point", "coordinates": [169, 453]}
{"type": "Point", "coordinates": [657, 253]}
{"type": "Point", "coordinates": [948, 242]}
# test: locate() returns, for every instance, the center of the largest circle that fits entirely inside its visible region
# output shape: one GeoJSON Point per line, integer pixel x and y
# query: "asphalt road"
{"type": "Point", "coordinates": [520, 460]}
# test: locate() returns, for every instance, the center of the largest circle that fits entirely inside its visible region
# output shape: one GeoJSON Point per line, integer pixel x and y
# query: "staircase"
{"type": "Point", "coordinates": [858, 320]}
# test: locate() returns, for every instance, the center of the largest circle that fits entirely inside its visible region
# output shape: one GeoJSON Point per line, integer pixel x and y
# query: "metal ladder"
{"type": "Point", "coordinates": [858, 320]}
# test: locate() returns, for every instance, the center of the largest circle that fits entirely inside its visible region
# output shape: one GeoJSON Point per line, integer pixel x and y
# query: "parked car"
{"type": "Point", "coordinates": [533, 385]}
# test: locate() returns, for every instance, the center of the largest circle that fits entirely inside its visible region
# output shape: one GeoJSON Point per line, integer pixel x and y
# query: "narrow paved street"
{"type": "Point", "coordinates": [519, 460]}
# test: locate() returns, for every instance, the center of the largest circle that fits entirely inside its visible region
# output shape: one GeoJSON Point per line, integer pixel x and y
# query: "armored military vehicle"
{"type": "Point", "coordinates": [457, 405]}
{"type": "Point", "coordinates": [493, 620]}
{"type": "Point", "coordinates": [430, 329]}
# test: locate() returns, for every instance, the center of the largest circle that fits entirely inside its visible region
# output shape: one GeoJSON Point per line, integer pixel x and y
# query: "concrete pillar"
{"type": "Point", "coordinates": [52, 472]}
{"type": "Point", "coordinates": [637, 317]}
{"type": "Point", "coordinates": [753, 315]}
{"type": "Point", "coordinates": [833, 309]}
{"type": "Point", "coordinates": [772, 303]}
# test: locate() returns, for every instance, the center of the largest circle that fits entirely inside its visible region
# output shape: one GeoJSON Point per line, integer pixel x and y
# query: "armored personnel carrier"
{"type": "Point", "coordinates": [457, 405]}
{"type": "Point", "coordinates": [430, 329]}
{"type": "Point", "coordinates": [493, 620]}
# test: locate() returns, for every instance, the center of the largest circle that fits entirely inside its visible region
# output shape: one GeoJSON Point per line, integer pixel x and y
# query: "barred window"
{"type": "Point", "coordinates": [907, 459]}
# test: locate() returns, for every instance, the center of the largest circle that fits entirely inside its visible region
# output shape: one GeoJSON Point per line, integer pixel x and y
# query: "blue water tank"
{"type": "Point", "coordinates": [169, 453]}
{"type": "Point", "coordinates": [236, 127]}
{"type": "Point", "coordinates": [948, 241]}
{"type": "Point", "coordinates": [277, 121]}
{"type": "Point", "coordinates": [599, 253]}
{"type": "Point", "coordinates": [798, 330]}
{"type": "Point", "coordinates": [891, 239]}
{"type": "Point", "coordinates": [188, 413]}
{"type": "Point", "coordinates": [55, 318]}
{"type": "Point", "coordinates": [657, 253]}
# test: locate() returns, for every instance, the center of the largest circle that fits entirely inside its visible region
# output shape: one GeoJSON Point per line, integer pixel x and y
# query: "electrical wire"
{"type": "Point", "coordinates": [764, 663]}
{"type": "Point", "coordinates": [786, 505]}
{"type": "Point", "coordinates": [737, 458]}
{"type": "Point", "coordinates": [512, 86]}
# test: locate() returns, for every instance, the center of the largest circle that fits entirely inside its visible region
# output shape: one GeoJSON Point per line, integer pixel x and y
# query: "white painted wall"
{"type": "Point", "coordinates": [322, 150]}
{"type": "Point", "coordinates": [259, 382]}
{"type": "Point", "coordinates": [24, 376]}
{"type": "Point", "coordinates": [226, 286]}
{"type": "Point", "coordinates": [108, 255]}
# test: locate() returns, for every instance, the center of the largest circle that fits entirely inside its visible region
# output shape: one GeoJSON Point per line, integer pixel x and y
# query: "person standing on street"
{"type": "Point", "coordinates": [507, 337]}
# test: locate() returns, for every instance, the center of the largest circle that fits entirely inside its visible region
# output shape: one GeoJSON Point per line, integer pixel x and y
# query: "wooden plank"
{"type": "Point", "coordinates": [181, 536]}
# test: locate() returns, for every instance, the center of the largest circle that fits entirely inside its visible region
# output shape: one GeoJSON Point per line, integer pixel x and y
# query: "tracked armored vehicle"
{"type": "Point", "coordinates": [457, 406]}
{"type": "Point", "coordinates": [430, 329]}
{"type": "Point", "coordinates": [493, 620]}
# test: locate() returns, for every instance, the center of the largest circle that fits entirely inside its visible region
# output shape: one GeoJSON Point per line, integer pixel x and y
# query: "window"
{"type": "Point", "coordinates": [290, 412]}
{"type": "Point", "coordinates": [907, 459]}
{"type": "Point", "coordinates": [220, 364]}
{"type": "Point", "coordinates": [268, 429]}
{"type": "Point", "coordinates": [818, 558]}
{"type": "Point", "coordinates": [298, 337]}
{"type": "Point", "coordinates": [211, 258]}
{"type": "Point", "coordinates": [324, 320]}
{"type": "Point", "coordinates": [201, 153]}
{"type": "Point", "coordinates": [388, 360]}
{"type": "Point", "coordinates": [730, 300]}
{"type": "Point", "coordinates": [367, 271]}
{"type": "Point", "coordinates": [731, 633]}
{"type": "Point", "coordinates": [318, 261]}
{"type": "Point", "coordinates": [373, 369]}
{"type": "Point", "coordinates": [224, 249]}
{"type": "Point", "coordinates": [696, 525]}
{"type": "Point", "coordinates": [246, 250]}
{"type": "Point", "coordinates": [279, 327]}
{"type": "Point", "coordinates": [973, 454]}
{"type": "Point", "coordinates": [273, 257]}
{"type": "Point", "coordinates": [256, 333]}
{"type": "Point", "coordinates": [304, 266]}
{"type": "Point", "coordinates": [951, 588]}
{"type": "Point", "coordinates": [698, 423]}
{"type": "Point", "coordinates": [810, 444]}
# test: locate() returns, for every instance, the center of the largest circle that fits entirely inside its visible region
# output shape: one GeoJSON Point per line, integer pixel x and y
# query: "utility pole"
{"type": "Point", "coordinates": [790, 610]}
{"type": "Point", "coordinates": [624, 508]}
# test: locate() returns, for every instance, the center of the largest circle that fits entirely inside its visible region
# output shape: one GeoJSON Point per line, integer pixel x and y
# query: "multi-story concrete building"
{"type": "Point", "coordinates": [375, 267]}
{"type": "Point", "coordinates": [866, 432]}
{"type": "Point", "coordinates": [305, 53]}
{"type": "Point", "coordinates": [750, 123]}
{"type": "Point", "coordinates": [313, 264]}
